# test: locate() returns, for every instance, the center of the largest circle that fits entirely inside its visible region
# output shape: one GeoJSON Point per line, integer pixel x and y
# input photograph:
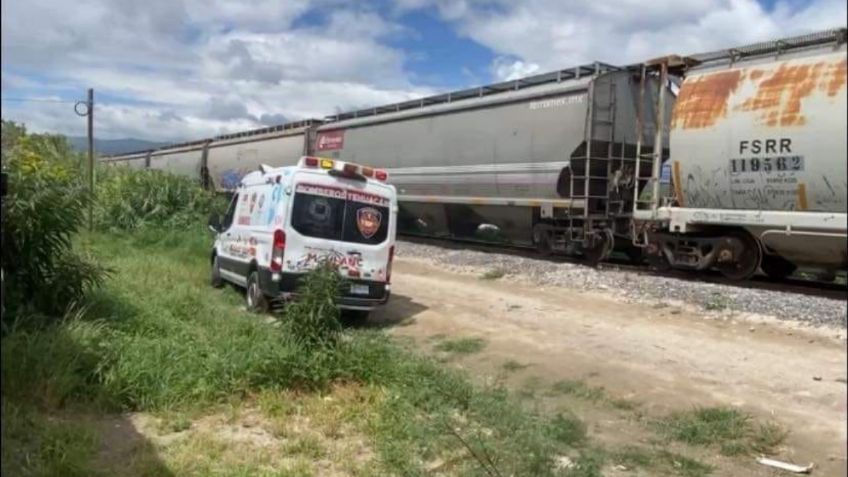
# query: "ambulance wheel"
{"type": "Point", "coordinates": [354, 317]}
{"type": "Point", "coordinates": [256, 301]}
{"type": "Point", "coordinates": [215, 279]}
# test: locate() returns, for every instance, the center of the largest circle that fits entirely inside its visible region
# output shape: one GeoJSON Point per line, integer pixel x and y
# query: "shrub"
{"type": "Point", "coordinates": [312, 320]}
{"type": "Point", "coordinates": [44, 208]}
{"type": "Point", "coordinates": [130, 199]}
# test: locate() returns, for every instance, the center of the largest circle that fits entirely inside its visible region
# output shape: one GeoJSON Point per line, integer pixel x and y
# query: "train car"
{"type": "Point", "coordinates": [510, 161]}
{"type": "Point", "coordinates": [758, 160]}
{"type": "Point", "coordinates": [232, 156]}
{"type": "Point", "coordinates": [220, 162]}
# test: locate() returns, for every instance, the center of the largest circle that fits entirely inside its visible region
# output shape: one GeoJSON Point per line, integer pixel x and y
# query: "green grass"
{"type": "Point", "coordinates": [717, 302]}
{"type": "Point", "coordinates": [595, 394]}
{"type": "Point", "coordinates": [512, 366]}
{"type": "Point", "coordinates": [660, 461]}
{"type": "Point", "coordinates": [461, 345]}
{"type": "Point", "coordinates": [157, 339]}
{"type": "Point", "coordinates": [57, 448]}
{"type": "Point", "coordinates": [579, 389]}
{"type": "Point", "coordinates": [493, 274]}
{"type": "Point", "coordinates": [733, 431]}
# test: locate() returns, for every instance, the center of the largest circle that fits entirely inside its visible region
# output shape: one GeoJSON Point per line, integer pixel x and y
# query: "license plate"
{"type": "Point", "coordinates": [358, 289]}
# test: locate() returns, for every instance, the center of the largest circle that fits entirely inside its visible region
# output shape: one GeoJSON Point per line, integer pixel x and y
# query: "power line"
{"type": "Point", "coordinates": [37, 100]}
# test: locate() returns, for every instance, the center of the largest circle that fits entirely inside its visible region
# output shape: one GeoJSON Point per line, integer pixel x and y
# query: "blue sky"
{"type": "Point", "coordinates": [183, 69]}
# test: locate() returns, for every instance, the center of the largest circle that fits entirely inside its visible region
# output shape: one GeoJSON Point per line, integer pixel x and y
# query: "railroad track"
{"type": "Point", "coordinates": [793, 284]}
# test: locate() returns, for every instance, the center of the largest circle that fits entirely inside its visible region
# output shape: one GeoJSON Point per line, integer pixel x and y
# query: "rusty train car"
{"type": "Point", "coordinates": [733, 160]}
{"type": "Point", "coordinates": [758, 162]}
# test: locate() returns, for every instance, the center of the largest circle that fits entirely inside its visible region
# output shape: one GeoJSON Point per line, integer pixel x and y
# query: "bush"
{"type": "Point", "coordinates": [129, 199]}
{"type": "Point", "coordinates": [312, 320]}
{"type": "Point", "coordinates": [44, 208]}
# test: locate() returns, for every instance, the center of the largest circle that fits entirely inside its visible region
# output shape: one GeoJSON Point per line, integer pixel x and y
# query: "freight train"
{"type": "Point", "coordinates": [734, 160]}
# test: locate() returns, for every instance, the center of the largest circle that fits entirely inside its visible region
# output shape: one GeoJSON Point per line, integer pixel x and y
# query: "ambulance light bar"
{"type": "Point", "coordinates": [346, 168]}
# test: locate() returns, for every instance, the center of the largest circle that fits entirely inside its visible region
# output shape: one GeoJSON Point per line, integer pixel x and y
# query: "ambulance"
{"type": "Point", "coordinates": [283, 222]}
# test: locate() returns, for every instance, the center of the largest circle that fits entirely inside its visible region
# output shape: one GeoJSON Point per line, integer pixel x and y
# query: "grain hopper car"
{"type": "Point", "coordinates": [758, 161]}
{"type": "Point", "coordinates": [547, 160]}
{"type": "Point", "coordinates": [220, 162]}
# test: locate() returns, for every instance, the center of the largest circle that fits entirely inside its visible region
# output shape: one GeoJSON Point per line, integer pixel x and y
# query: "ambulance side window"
{"type": "Point", "coordinates": [231, 211]}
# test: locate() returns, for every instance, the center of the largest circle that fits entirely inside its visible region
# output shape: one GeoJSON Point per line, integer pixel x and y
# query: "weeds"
{"type": "Point", "coordinates": [662, 460]}
{"type": "Point", "coordinates": [493, 274]}
{"type": "Point", "coordinates": [579, 389]}
{"type": "Point", "coordinates": [512, 366]}
{"type": "Point", "coordinates": [158, 339]}
{"type": "Point", "coordinates": [461, 345]}
{"type": "Point", "coordinates": [312, 321]}
{"type": "Point", "coordinates": [734, 431]}
{"type": "Point", "coordinates": [43, 210]}
{"type": "Point", "coordinates": [717, 302]}
{"type": "Point", "coordinates": [129, 199]}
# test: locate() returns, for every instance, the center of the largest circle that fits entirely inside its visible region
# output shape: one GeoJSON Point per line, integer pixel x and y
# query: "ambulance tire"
{"type": "Point", "coordinates": [215, 277]}
{"type": "Point", "coordinates": [255, 300]}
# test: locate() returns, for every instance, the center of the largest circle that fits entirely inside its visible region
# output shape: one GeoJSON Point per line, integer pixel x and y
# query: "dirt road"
{"type": "Point", "coordinates": [664, 358]}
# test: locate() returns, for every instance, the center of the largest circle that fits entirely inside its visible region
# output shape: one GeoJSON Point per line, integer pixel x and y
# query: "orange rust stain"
{"type": "Point", "coordinates": [779, 96]}
{"type": "Point", "coordinates": [703, 100]}
{"type": "Point", "coordinates": [838, 73]}
{"type": "Point", "coordinates": [802, 196]}
{"type": "Point", "coordinates": [756, 74]}
{"type": "Point", "coordinates": [678, 192]}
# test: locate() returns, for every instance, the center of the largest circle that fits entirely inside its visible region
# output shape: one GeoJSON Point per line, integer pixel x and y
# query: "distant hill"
{"type": "Point", "coordinates": [114, 146]}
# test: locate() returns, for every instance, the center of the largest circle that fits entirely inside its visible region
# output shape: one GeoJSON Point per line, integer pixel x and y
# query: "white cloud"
{"type": "Point", "coordinates": [506, 69]}
{"type": "Point", "coordinates": [554, 34]}
{"type": "Point", "coordinates": [182, 69]}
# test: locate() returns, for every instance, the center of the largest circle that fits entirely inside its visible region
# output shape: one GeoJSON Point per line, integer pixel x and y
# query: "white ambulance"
{"type": "Point", "coordinates": [283, 222]}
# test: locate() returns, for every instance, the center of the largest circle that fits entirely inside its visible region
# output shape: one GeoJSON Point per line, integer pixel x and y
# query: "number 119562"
{"type": "Point", "coordinates": [767, 164]}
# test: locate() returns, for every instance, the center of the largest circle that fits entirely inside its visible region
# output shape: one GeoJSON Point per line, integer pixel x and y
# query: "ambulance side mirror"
{"type": "Point", "coordinates": [214, 222]}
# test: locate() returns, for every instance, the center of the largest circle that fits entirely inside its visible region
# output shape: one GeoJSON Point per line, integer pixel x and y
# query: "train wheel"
{"type": "Point", "coordinates": [658, 263]}
{"type": "Point", "coordinates": [738, 256]}
{"type": "Point", "coordinates": [636, 255]}
{"type": "Point", "coordinates": [600, 250]}
{"type": "Point", "coordinates": [777, 267]}
{"type": "Point", "coordinates": [542, 240]}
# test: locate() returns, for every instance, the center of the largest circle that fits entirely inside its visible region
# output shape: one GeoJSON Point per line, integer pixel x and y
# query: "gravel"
{"type": "Point", "coordinates": [634, 287]}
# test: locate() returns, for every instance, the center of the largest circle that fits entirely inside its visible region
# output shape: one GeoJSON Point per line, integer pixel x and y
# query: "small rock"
{"type": "Point", "coordinates": [563, 462]}
{"type": "Point", "coordinates": [620, 467]}
{"type": "Point", "coordinates": [817, 378]}
{"type": "Point", "coordinates": [752, 329]}
{"type": "Point", "coordinates": [675, 312]}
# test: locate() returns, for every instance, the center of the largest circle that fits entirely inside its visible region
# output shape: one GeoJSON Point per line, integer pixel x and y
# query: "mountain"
{"type": "Point", "coordinates": [110, 147]}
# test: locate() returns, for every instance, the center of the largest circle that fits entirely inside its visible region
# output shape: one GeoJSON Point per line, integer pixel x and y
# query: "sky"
{"type": "Point", "coordinates": [176, 70]}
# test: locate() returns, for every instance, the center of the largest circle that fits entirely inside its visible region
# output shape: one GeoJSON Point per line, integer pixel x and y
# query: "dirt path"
{"type": "Point", "coordinates": [664, 358]}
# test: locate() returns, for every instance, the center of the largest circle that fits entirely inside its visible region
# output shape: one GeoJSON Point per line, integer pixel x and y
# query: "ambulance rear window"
{"type": "Point", "coordinates": [337, 214]}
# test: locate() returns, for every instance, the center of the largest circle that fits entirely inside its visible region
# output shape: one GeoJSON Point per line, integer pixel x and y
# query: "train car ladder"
{"type": "Point", "coordinates": [591, 170]}
{"type": "Point", "coordinates": [646, 209]}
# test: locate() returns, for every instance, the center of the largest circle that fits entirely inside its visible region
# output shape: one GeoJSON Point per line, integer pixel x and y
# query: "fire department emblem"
{"type": "Point", "coordinates": [368, 221]}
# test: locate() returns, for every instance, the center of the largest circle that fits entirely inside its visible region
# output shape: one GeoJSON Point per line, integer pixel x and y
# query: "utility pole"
{"type": "Point", "coordinates": [91, 158]}
{"type": "Point", "coordinates": [89, 113]}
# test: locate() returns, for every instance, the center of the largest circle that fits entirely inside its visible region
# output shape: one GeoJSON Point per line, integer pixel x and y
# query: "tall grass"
{"type": "Point", "coordinates": [42, 212]}
{"type": "Point", "coordinates": [157, 338]}
{"type": "Point", "coordinates": [129, 199]}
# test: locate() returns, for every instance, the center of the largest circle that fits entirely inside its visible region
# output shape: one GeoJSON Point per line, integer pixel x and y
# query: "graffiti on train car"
{"type": "Point", "coordinates": [230, 178]}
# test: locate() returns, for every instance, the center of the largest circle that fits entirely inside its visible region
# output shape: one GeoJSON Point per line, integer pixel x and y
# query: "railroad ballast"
{"type": "Point", "coordinates": [748, 171]}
